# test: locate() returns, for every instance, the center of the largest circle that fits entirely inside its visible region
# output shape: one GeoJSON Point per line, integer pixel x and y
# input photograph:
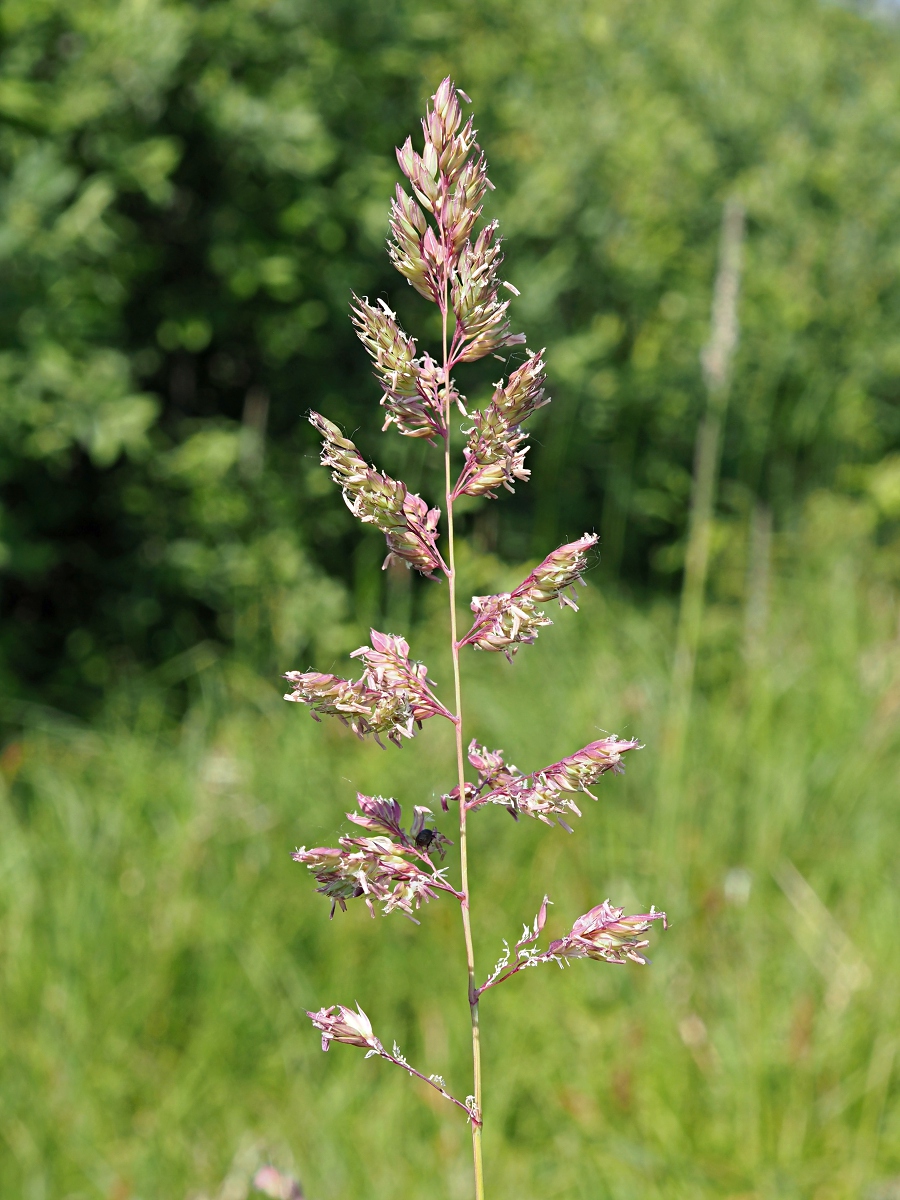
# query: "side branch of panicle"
{"type": "Point", "coordinates": [495, 452]}
{"type": "Point", "coordinates": [339, 1024]}
{"type": "Point", "coordinates": [392, 696]}
{"type": "Point", "coordinates": [482, 318]}
{"type": "Point", "coordinates": [408, 524]}
{"type": "Point", "coordinates": [510, 619]}
{"type": "Point", "coordinates": [413, 248]}
{"type": "Point", "coordinates": [607, 935]}
{"type": "Point", "coordinates": [546, 793]}
{"type": "Point", "coordinates": [394, 868]}
{"type": "Point", "coordinates": [604, 933]}
{"type": "Point", "coordinates": [411, 386]}
{"type": "Point", "coordinates": [388, 668]}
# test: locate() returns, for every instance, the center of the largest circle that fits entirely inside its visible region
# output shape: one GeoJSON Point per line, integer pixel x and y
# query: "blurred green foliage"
{"type": "Point", "coordinates": [158, 948]}
{"type": "Point", "coordinates": [191, 190]}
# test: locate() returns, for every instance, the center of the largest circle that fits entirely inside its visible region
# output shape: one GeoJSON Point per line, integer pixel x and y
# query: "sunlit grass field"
{"type": "Point", "coordinates": [159, 947]}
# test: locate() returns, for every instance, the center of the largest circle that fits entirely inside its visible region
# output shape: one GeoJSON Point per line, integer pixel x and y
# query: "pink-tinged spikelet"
{"type": "Point", "coordinates": [605, 933]}
{"type": "Point", "coordinates": [276, 1184]}
{"type": "Point", "coordinates": [510, 619]}
{"type": "Point", "coordinates": [392, 697]}
{"type": "Point", "coordinates": [393, 869]}
{"type": "Point", "coordinates": [408, 524]}
{"type": "Point", "coordinates": [411, 387]}
{"type": "Point", "coordinates": [545, 793]}
{"type": "Point", "coordinates": [495, 453]}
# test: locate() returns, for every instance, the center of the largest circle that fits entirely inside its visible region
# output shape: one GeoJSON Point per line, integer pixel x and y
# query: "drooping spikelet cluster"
{"type": "Point", "coordinates": [391, 697]}
{"type": "Point", "coordinates": [337, 1023]}
{"type": "Point", "coordinates": [394, 868]}
{"type": "Point", "coordinates": [408, 524]}
{"type": "Point", "coordinates": [411, 386]}
{"type": "Point", "coordinates": [340, 1024]}
{"type": "Point", "coordinates": [605, 933]}
{"type": "Point", "coordinates": [388, 669]}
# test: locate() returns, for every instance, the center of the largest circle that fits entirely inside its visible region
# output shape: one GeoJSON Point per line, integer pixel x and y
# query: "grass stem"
{"type": "Point", "coordinates": [460, 766]}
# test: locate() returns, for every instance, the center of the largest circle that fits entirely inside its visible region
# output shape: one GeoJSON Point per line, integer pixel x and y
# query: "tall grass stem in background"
{"type": "Point", "coordinates": [435, 246]}
{"type": "Point", "coordinates": [716, 360]}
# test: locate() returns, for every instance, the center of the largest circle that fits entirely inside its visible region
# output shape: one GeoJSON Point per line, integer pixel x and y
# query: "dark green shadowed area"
{"type": "Point", "coordinates": [191, 192]}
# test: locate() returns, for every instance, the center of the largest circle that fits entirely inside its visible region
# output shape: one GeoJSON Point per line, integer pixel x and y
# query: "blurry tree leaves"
{"type": "Point", "coordinates": [190, 190]}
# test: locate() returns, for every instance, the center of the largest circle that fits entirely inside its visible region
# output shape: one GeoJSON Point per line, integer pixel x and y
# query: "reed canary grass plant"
{"type": "Point", "coordinates": [436, 245]}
